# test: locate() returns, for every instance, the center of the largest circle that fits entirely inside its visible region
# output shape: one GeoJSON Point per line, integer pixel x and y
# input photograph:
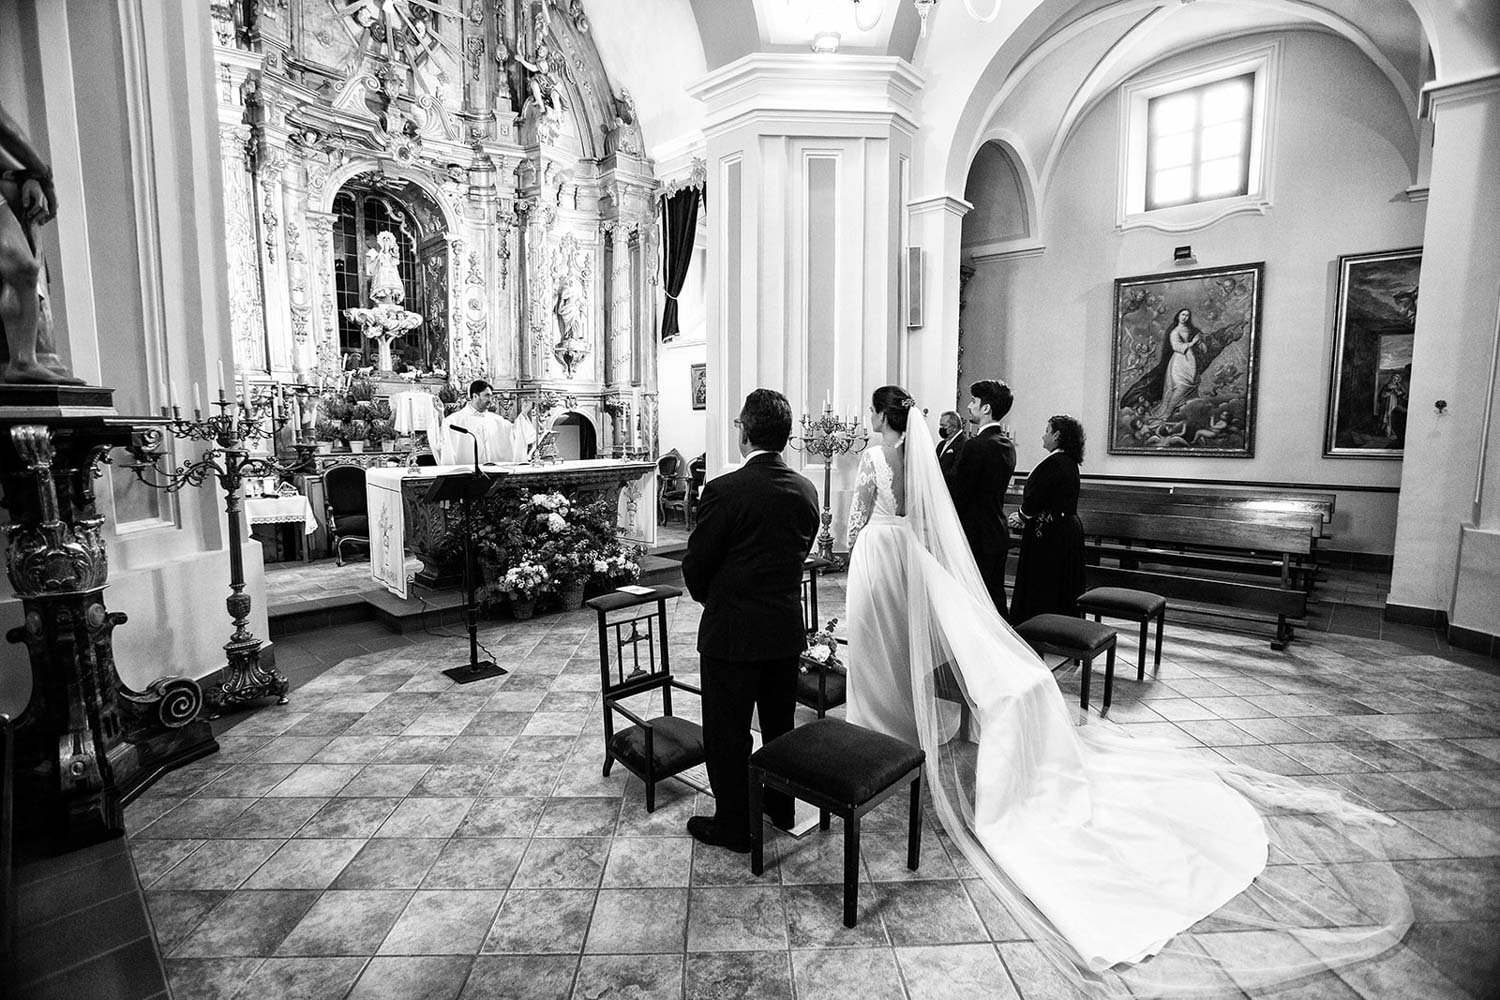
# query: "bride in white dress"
{"type": "Point", "coordinates": [1109, 851]}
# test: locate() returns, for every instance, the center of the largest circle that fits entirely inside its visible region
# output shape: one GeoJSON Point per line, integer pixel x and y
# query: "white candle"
{"type": "Point", "coordinates": [221, 379]}
{"type": "Point", "coordinates": [197, 399]}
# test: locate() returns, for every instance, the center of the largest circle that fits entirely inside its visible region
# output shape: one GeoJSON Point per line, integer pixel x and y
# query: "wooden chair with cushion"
{"type": "Point", "coordinates": [1077, 639]}
{"type": "Point", "coordinates": [651, 749]}
{"type": "Point", "coordinates": [345, 508]}
{"type": "Point", "coordinates": [844, 770]}
{"type": "Point", "coordinates": [671, 486]}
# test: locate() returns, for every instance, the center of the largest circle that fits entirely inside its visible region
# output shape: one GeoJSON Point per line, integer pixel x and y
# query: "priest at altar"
{"type": "Point", "coordinates": [499, 440]}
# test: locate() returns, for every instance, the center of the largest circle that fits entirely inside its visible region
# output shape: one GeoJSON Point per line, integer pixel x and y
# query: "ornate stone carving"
{"type": "Point", "coordinates": [52, 556]}
{"type": "Point", "coordinates": [571, 303]}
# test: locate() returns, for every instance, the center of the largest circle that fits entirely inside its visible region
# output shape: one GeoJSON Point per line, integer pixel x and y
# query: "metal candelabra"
{"type": "Point", "coordinates": [828, 435]}
{"type": "Point", "coordinates": [228, 460]}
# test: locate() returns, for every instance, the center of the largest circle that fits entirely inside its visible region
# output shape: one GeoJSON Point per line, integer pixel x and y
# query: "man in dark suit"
{"type": "Point", "coordinates": [744, 565]}
{"type": "Point", "coordinates": [951, 430]}
{"type": "Point", "coordinates": [979, 481]}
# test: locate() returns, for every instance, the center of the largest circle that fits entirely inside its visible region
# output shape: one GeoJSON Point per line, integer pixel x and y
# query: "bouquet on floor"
{"type": "Point", "coordinates": [525, 581]}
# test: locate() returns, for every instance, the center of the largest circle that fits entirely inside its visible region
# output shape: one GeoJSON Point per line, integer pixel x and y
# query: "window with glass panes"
{"type": "Point", "coordinates": [1198, 143]}
{"type": "Point", "coordinates": [359, 216]}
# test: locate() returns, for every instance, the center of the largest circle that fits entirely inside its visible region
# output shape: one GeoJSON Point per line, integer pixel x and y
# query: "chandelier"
{"type": "Point", "coordinates": [924, 7]}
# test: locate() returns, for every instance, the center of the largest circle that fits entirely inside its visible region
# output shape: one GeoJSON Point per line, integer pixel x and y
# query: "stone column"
{"type": "Point", "coordinates": [270, 204]}
{"type": "Point", "coordinates": [618, 346]}
{"type": "Point", "coordinates": [324, 349]}
{"type": "Point", "coordinates": [1447, 559]}
{"type": "Point", "coordinates": [299, 347]}
{"type": "Point", "coordinates": [246, 319]}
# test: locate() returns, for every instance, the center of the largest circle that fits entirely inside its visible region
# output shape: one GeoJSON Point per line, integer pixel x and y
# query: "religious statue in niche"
{"type": "Point", "coordinates": [385, 319]}
{"type": "Point", "coordinates": [570, 305]}
{"type": "Point", "coordinates": [29, 202]}
{"type": "Point", "coordinates": [544, 97]}
{"type": "Point", "coordinates": [624, 134]}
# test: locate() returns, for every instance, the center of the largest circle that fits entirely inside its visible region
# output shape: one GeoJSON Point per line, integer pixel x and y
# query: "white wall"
{"type": "Point", "coordinates": [1342, 149]}
{"type": "Point", "coordinates": [120, 96]}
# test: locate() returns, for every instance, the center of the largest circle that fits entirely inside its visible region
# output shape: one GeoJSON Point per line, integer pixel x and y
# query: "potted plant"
{"type": "Point", "coordinates": [449, 396]}
{"type": "Point", "coordinates": [614, 566]}
{"type": "Point", "coordinates": [382, 435]}
{"type": "Point", "coordinates": [359, 432]}
{"type": "Point", "coordinates": [327, 432]}
{"type": "Point", "coordinates": [523, 583]}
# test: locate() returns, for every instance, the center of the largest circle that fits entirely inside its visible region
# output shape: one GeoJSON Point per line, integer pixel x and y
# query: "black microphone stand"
{"type": "Point", "coordinates": [476, 669]}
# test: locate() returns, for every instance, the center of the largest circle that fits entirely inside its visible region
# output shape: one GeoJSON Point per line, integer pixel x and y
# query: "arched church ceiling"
{"type": "Point", "coordinates": [652, 49]}
{"type": "Point", "coordinates": [1037, 88]}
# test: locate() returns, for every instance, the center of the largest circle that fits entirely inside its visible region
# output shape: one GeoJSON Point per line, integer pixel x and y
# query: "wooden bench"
{"type": "Point", "coordinates": [1257, 498]}
{"type": "Point", "coordinates": [1150, 552]}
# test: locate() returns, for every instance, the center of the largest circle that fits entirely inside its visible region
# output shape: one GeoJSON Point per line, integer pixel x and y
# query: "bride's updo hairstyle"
{"type": "Point", "coordinates": [893, 403]}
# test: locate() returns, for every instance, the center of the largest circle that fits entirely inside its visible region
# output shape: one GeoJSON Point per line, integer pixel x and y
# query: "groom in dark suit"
{"type": "Point", "coordinates": [979, 481]}
{"type": "Point", "coordinates": [744, 565]}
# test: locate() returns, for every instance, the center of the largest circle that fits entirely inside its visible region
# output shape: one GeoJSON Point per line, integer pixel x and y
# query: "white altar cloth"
{"type": "Point", "coordinates": [383, 488]}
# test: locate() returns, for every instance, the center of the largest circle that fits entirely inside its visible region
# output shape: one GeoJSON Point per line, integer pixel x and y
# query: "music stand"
{"type": "Point", "coordinates": [467, 487]}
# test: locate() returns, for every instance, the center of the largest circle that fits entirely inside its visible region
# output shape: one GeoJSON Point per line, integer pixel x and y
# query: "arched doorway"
{"type": "Point", "coordinates": [576, 438]}
{"type": "Point", "coordinates": [365, 206]}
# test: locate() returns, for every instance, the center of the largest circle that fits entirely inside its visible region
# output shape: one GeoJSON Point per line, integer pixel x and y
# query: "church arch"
{"type": "Point", "coordinates": [577, 438]}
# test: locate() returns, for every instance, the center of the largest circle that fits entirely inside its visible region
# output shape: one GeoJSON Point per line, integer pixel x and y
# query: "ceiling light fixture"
{"type": "Point", "coordinates": [826, 42]}
{"type": "Point", "coordinates": [924, 8]}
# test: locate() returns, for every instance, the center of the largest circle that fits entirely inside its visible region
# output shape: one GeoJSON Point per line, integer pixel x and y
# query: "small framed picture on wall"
{"type": "Point", "coordinates": [698, 386]}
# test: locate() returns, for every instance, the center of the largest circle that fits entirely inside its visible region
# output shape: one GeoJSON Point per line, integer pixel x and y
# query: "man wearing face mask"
{"type": "Point", "coordinates": [951, 430]}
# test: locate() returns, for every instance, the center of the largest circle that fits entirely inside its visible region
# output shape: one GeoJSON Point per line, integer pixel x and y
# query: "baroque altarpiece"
{"type": "Point", "coordinates": [486, 137]}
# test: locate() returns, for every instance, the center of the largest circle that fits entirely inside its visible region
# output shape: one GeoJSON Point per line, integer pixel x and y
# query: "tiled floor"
{"type": "Point", "coordinates": [389, 834]}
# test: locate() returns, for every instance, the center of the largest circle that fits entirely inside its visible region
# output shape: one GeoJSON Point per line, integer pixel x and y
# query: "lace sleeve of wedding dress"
{"type": "Point", "coordinates": [864, 494]}
{"type": "Point", "coordinates": [1138, 868]}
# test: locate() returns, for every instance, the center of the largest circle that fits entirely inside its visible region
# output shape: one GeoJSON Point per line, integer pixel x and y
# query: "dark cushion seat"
{"type": "Point", "coordinates": [1065, 630]}
{"type": "Point", "coordinates": [839, 759]}
{"type": "Point", "coordinates": [351, 524]}
{"type": "Point", "coordinates": [1121, 602]}
{"type": "Point", "coordinates": [678, 744]}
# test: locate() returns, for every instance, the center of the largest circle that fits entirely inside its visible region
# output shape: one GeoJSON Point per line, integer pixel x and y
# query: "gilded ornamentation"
{"type": "Point", "coordinates": [53, 556]}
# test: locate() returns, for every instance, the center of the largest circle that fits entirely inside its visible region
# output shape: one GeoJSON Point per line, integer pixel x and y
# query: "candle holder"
{"type": "Point", "coordinates": [228, 460]}
{"type": "Point", "coordinates": [828, 436]}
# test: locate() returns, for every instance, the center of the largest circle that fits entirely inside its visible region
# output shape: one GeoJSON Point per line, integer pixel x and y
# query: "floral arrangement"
{"type": "Point", "coordinates": [525, 580]}
{"type": "Point", "coordinates": [823, 647]}
{"type": "Point", "coordinates": [618, 565]}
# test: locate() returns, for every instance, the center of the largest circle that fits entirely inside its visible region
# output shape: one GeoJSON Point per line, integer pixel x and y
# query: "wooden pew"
{"type": "Point", "coordinates": [1255, 498]}
{"type": "Point", "coordinates": [1150, 552]}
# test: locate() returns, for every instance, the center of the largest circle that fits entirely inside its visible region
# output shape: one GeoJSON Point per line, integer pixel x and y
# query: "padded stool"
{"type": "Point", "coordinates": [1135, 605]}
{"type": "Point", "coordinates": [1077, 639]}
{"type": "Point", "coordinates": [842, 769]}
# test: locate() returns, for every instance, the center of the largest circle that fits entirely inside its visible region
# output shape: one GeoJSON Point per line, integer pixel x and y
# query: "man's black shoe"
{"type": "Point", "coordinates": [707, 831]}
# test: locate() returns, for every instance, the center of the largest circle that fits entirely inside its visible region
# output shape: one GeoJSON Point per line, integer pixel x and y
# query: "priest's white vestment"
{"type": "Point", "coordinates": [499, 439]}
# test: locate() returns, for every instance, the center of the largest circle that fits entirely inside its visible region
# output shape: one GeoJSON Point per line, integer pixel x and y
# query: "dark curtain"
{"type": "Point", "coordinates": [679, 222]}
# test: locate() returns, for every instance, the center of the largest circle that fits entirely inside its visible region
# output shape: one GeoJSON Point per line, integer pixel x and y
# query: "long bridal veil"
{"type": "Point", "coordinates": [1139, 869]}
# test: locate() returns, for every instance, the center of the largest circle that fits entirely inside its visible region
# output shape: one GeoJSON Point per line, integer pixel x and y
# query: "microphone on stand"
{"type": "Point", "coordinates": [465, 430]}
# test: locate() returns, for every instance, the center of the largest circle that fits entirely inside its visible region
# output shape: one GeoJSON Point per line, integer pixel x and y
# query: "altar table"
{"type": "Point", "coordinates": [290, 509]}
{"type": "Point", "coordinates": [401, 522]}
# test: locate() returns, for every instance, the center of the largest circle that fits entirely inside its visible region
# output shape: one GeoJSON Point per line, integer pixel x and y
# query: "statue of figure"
{"type": "Point", "coordinates": [572, 344]}
{"type": "Point", "coordinates": [542, 83]}
{"type": "Point", "coordinates": [29, 202]}
{"type": "Point", "coordinates": [385, 276]}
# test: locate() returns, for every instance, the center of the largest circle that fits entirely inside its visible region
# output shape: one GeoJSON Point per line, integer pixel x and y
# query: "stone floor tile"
{"type": "Point", "coordinates": [346, 922]}
{"type": "Point", "coordinates": [389, 863]}
{"type": "Point", "coordinates": [815, 917]}
{"type": "Point", "coordinates": [742, 975]}
{"type": "Point", "coordinates": [443, 922]}
{"type": "Point", "coordinates": [252, 922]}
{"type": "Point", "coordinates": [405, 977]}
{"type": "Point", "coordinates": [520, 977]}
{"type": "Point", "coordinates": [640, 977]}
{"type": "Point", "coordinates": [343, 818]}
{"type": "Point", "coordinates": [475, 863]}
{"type": "Point", "coordinates": [154, 858]}
{"type": "Point", "coordinates": [276, 817]}
{"type": "Point", "coordinates": [642, 862]}
{"type": "Point", "coordinates": [209, 978]}
{"type": "Point", "coordinates": [954, 972]}
{"type": "Point", "coordinates": [578, 817]}
{"type": "Point", "coordinates": [838, 974]}
{"type": "Point", "coordinates": [219, 864]}
{"type": "Point", "coordinates": [303, 978]}
{"type": "Point", "coordinates": [315, 780]}
{"type": "Point", "coordinates": [385, 781]}
{"type": "Point", "coordinates": [304, 864]}
{"type": "Point", "coordinates": [426, 817]}
{"type": "Point", "coordinates": [638, 921]}
{"type": "Point", "coordinates": [931, 913]}
{"type": "Point", "coordinates": [541, 921]}
{"type": "Point", "coordinates": [566, 863]}
{"type": "Point", "coordinates": [736, 919]}
{"type": "Point", "coordinates": [174, 914]}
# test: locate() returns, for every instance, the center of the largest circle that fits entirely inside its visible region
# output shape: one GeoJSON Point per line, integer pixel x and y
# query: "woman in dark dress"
{"type": "Point", "coordinates": [1049, 575]}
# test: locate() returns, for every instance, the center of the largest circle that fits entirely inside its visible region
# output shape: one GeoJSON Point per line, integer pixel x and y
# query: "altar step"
{"type": "Point", "coordinates": [423, 610]}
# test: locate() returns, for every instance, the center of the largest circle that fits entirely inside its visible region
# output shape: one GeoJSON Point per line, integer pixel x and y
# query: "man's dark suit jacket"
{"type": "Point", "coordinates": [978, 484]}
{"type": "Point", "coordinates": [744, 560]}
{"type": "Point", "coordinates": [954, 446]}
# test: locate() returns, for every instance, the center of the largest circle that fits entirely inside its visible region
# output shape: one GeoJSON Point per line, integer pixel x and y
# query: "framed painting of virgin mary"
{"type": "Point", "coordinates": [1183, 363]}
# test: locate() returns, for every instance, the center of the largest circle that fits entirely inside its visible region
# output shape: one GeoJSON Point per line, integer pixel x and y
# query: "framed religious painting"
{"type": "Point", "coordinates": [698, 386]}
{"type": "Point", "coordinates": [1182, 378]}
{"type": "Point", "coordinates": [1375, 316]}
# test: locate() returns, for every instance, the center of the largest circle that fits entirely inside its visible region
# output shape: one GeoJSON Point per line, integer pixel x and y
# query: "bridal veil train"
{"type": "Point", "coordinates": [1140, 869]}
